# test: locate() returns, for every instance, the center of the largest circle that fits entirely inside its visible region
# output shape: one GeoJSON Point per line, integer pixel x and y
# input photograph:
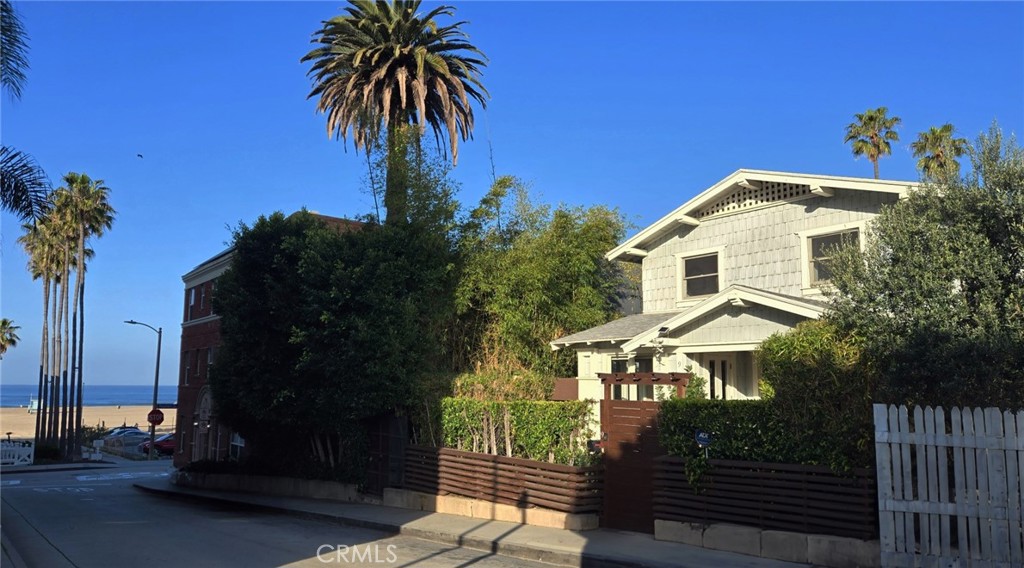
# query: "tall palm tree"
{"type": "Point", "coordinates": [39, 243]}
{"type": "Point", "coordinates": [23, 184]}
{"type": "Point", "coordinates": [8, 335]}
{"type": "Point", "coordinates": [938, 152]}
{"type": "Point", "coordinates": [88, 208]}
{"type": "Point", "coordinates": [871, 134]}
{"type": "Point", "coordinates": [383, 65]}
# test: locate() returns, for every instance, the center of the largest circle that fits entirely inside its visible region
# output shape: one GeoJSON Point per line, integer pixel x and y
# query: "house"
{"type": "Point", "coordinates": [200, 435]}
{"type": "Point", "coordinates": [742, 260]}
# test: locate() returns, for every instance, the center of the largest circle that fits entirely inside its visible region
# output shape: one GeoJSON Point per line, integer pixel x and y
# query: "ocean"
{"type": "Point", "coordinates": [94, 395]}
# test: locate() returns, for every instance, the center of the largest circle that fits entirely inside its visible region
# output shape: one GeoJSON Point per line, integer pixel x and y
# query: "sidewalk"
{"type": "Point", "coordinates": [592, 549]}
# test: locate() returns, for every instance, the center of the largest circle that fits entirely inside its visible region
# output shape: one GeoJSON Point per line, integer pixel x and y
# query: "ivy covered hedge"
{"type": "Point", "coordinates": [554, 432]}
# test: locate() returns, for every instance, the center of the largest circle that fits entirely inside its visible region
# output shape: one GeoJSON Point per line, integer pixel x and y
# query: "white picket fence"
{"type": "Point", "coordinates": [16, 453]}
{"type": "Point", "coordinates": [950, 495]}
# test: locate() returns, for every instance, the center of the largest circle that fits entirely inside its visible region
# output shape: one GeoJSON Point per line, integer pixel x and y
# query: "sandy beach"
{"type": "Point", "coordinates": [22, 425]}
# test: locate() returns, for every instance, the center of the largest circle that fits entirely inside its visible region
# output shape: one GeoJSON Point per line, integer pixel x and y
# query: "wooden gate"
{"type": "Point", "coordinates": [630, 440]}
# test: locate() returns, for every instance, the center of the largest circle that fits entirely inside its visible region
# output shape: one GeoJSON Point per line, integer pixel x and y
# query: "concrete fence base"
{"type": "Point", "coordinates": [816, 549]}
{"type": "Point", "coordinates": [479, 509]}
{"type": "Point", "coordinates": [403, 498]}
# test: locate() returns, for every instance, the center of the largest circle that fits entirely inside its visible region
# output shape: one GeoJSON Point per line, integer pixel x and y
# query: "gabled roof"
{"type": "Point", "coordinates": [622, 329]}
{"type": "Point", "coordinates": [686, 214]}
{"type": "Point", "coordinates": [736, 295]}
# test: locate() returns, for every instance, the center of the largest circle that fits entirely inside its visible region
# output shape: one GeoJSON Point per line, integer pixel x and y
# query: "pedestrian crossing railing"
{"type": "Point", "coordinates": [16, 452]}
{"type": "Point", "coordinates": [950, 486]}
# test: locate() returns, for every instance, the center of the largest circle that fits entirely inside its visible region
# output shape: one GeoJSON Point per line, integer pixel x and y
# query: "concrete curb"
{"type": "Point", "coordinates": [518, 551]}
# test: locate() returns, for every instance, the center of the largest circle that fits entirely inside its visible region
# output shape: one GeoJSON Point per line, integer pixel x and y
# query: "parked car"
{"type": "Point", "coordinates": [127, 439]}
{"type": "Point", "coordinates": [120, 430]}
{"type": "Point", "coordinates": [165, 445]}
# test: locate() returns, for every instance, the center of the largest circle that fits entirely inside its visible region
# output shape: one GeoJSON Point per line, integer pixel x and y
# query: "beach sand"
{"type": "Point", "coordinates": [22, 425]}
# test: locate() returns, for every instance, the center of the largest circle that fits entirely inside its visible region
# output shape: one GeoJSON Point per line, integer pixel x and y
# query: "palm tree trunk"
{"type": "Point", "coordinates": [41, 396]}
{"type": "Point", "coordinates": [51, 433]}
{"type": "Point", "coordinates": [395, 187]}
{"type": "Point", "coordinates": [81, 356]}
{"type": "Point", "coordinates": [72, 372]}
{"type": "Point", "coordinates": [875, 163]}
{"type": "Point", "coordinates": [65, 345]}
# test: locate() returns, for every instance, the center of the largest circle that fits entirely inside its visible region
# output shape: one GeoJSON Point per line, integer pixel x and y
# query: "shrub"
{"type": "Point", "coordinates": [554, 432]}
{"type": "Point", "coordinates": [823, 393]}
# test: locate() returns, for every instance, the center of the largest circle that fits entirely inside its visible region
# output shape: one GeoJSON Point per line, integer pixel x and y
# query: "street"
{"type": "Point", "coordinates": [94, 517]}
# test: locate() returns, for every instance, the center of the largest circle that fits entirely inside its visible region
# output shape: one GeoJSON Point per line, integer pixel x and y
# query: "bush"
{"type": "Point", "coordinates": [554, 432]}
{"type": "Point", "coordinates": [823, 393]}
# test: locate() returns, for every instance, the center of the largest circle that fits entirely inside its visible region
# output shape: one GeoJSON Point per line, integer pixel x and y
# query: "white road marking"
{"type": "Point", "coordinates": [10, 482]}
{"type": "Point", "coordinates": [116, 476]}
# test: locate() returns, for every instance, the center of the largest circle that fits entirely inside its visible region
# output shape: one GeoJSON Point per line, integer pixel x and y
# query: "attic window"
{"type": "Point", "coordinates": [746, 198]}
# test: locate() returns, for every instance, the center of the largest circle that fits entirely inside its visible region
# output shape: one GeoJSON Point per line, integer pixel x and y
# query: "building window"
{"type": "Point", "coordinates": [645, 365]}
{"type": "Point", "coordinates": [185, 360]}
{"type": "Point", "coordinates": [620, 366]}
{"type": "Point", "coordinates": [699, 275]}
{"type": "Point", "coordinates": [209, 360]}
{"type": "Point", "coordinates": [820, 250]}
{"type": "Point", "coordinates": [237, 443]}
{"type": "Point", "coordinates": [202, 297]}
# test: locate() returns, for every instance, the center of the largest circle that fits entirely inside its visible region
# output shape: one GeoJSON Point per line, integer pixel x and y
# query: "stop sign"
{"type": "Point", "coordinates": [156, 417]}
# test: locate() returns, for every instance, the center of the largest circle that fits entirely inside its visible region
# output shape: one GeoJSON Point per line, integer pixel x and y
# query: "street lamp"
{"type": "Point", "coordinates": [156, 381]}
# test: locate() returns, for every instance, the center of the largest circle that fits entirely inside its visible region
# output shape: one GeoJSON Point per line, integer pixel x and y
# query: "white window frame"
{"type": "Point", "coordinates": [681, 258]}
{"type": "Point", "coordinates": [807, 287]}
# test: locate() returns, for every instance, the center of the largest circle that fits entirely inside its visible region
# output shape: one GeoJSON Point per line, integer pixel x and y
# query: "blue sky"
{"type": "Point", "coordinates": [634, 105]}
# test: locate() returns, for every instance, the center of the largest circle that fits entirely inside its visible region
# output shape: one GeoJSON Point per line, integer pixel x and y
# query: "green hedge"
{"type": "Point", "coordinates": [554, 432]}
{"type": "Point", "coordinates": [751, 430]}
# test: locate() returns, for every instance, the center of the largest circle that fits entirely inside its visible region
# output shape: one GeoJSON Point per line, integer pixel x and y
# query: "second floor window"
{"type": "Point", "coordinates": [700, 275]}
{"type": "Point", "coordinates": [821, 249]}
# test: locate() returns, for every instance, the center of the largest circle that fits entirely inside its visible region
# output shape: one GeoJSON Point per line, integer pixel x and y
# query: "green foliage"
{"type": "Point", "coordinates": [697, 388]}
{"type": "Point", "coordinates": [323, 330]}
{"type": "Point", "coordinates": [501, 385]}
{"type": "Point", "coordinates": [937, 296]}
{"type": "Point", "coordinates": [554, 432]}
{"type": "Point", "coordinates": [822, 393]}
{"type": "Point", "coordinates": [531, 275]}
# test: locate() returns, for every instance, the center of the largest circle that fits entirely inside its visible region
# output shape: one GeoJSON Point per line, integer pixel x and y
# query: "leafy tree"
{"type": "Point", "coordinates": [532, 275]}
{"type": "Point", "coordinates": [937, 297]}
{"type": "Point", "coordinates": [938, 152]}
{"type": "Point", "coordinates": [23, 184]}
{"type": "Point", "coordinates": [8, 335]}
{"type": "Point", "coordinates": [383, 65]}
{"type": "Point", "coordinates": [871, 134]}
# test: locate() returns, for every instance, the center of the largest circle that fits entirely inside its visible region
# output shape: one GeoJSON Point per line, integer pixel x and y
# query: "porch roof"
{"type": "Point", "coordinates": [622, 329]}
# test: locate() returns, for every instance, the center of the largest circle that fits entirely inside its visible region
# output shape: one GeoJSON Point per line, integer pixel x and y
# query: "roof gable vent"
{"type": "Point", "coordinates": [756, 194]}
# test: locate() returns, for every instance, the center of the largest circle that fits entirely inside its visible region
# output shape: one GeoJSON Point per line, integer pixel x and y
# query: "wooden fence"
{"type": "Point", "coordinates": [950, 496]}
{"type": "Point", "coordinates": [799, 498]}
{"type": "Point", "coordinates": [498, 479]}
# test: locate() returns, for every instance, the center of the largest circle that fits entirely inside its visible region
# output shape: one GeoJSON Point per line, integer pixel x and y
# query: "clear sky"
{"type": "Point", "coordinates": [634, 105]}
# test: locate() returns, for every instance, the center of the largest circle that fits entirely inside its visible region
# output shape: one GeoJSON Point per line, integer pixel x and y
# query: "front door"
{"type": "Point", "coordinates": [721, 369]}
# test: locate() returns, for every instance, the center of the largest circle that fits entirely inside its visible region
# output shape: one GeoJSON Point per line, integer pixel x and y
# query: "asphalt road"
{"type": "Point", "coordinates": [89, 518]}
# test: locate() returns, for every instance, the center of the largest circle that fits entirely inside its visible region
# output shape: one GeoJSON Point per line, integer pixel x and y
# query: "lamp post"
{"type": "Point", "coordinates": [156, 381]}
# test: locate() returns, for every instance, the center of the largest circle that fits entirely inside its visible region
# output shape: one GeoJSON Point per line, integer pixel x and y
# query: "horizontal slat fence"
{"type": "Point", "coordinates": [499, 479]}
{"type": "Point", "coordinates": [798, 498]}
{"type": "Point", "coordinates": [950, 493]}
